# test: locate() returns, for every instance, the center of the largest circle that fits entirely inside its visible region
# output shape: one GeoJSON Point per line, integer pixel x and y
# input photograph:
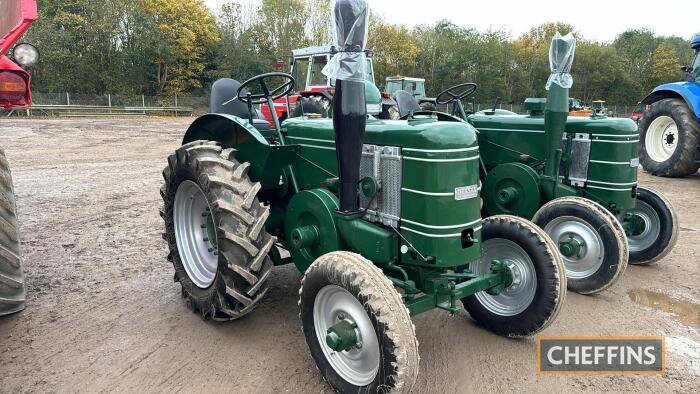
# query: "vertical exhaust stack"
{"type": "Point", "coordinates": [561, 56]}
{"type": "Point", "coordinates": [350, 18]}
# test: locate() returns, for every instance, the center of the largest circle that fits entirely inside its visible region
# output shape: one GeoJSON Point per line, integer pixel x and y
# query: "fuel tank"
{"type": "Point", "coordinates": [428, 177]}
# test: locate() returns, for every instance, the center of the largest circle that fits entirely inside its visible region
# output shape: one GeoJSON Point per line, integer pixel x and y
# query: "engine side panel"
{"type": "Point", "coordinates": [439, 208]}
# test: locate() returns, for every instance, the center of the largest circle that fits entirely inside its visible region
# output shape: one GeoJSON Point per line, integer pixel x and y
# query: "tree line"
{"type": "Point", "coordinates": [177, 47]}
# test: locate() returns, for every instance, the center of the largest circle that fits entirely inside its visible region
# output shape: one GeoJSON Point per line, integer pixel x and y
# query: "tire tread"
{"type": "Point", "coordinates": [244, 266]}
{"type": "Point", "coordinates": [12, 285]}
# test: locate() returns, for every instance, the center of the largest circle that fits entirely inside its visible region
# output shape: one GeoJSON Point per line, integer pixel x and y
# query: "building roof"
{"type": "Point", "coordinates": [400, 78]}
{"type": "Point", "coordinates": [308, 51]}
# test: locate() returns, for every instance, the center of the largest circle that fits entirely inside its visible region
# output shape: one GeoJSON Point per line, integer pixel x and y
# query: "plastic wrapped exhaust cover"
{"type": "Point", "coordinates": [561, 56]}
{"type": "Point", "coordinates": [350, 38]}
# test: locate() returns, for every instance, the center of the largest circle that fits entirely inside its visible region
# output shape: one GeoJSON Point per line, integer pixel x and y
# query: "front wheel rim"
{"type": "Point", "coordinates": [192, 222]}
{"type": "Point", "coordinates": [590, 256]}
{"type": "Point", "coordinates": [661, 138]}
{"type": "Point", "coordinates": [358, 366]}
{"type": "Point", "coordinates": [517, 297]}
{"type": "Point", "coordinates": [652, 227]}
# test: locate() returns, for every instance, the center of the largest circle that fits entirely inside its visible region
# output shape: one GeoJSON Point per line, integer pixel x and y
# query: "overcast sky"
{"type": "Point", "coordinates": [596, 20]}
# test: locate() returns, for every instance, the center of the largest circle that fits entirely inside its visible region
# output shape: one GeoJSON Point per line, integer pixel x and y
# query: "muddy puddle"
{"type": "Point", "coordinates": [685, 311]}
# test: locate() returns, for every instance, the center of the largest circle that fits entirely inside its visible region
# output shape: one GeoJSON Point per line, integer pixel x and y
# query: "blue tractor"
{"type": "Point", "coordinates": [670, 127]}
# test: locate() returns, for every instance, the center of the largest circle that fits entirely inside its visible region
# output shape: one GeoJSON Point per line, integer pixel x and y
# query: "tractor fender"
{"type": "Point", "coordinates": [688, 91]}
{"type": "Point", "coordinates": [230, 130]}
{"type": "Point", "coordinates": [267, 162]}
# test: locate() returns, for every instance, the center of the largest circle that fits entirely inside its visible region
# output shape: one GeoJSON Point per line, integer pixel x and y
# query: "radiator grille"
{"type": "Point", "coordinates": [383, 163]}
{"type": "Point", "coordinates": [580, 153]}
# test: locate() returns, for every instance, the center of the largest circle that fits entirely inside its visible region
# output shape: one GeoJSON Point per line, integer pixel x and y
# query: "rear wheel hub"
{"type": "Point", "coordinates": [580, 245]}
{"type": "Point", "coordinates": [661, 138]}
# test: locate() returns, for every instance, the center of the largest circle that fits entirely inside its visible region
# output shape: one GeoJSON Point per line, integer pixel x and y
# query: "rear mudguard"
{"type": "Point", "coordinates": [688, 91]}
{"type": "Point", "coordinates": [266, 161]}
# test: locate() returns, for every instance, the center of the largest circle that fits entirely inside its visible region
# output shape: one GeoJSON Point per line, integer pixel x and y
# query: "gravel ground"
{"type": "Point", "coordinates": [103, 313]}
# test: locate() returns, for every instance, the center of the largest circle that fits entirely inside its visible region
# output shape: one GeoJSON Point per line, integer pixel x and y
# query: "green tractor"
{"type": "Point", "coordinates": [382, 217]}
{"type": "Point", "coordinates": [576, 177]}
{"type": "Point", "coordinates": [413, 87]}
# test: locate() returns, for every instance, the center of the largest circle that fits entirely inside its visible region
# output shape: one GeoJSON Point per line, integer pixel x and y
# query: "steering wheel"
{"type": "Point", "coordinates": [267, 94]}
{"type": "Point", "coordinates": [455, 93]}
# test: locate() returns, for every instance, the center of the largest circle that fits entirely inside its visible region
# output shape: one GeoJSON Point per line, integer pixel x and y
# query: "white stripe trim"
{"type": "Point", "coordinates": [615, 135]}
{"type": "Point", "coordinates": [440, 227]}
{"type": "Point", "coordinates": [442, 160]}
{"type": "Point", "coordinates": [310, 139]}
{"type": "Point", "coordinates": [441, 150]}
{"type": "Point", "coordinates": [613, 162]}
{"type": "Point", "coordinates": [615, 184]}
{"type": "Point", "coordinates": [524, 131]}
{"type": "Point", "coordinates": [437, 235]}
{"type": "Point", "coordinates": [432, 235]}
{"type": "Point", "coordinates": [427, 193]}
{"type": "Point", "coordinates": [317, 147]}
{"type": "Point", "coordinates": [609, 188]}
{"type": "Point", "coordinates": [617, 142]}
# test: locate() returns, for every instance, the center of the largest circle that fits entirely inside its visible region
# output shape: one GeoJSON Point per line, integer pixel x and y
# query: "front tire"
{"type": "Point", "coordinates": [532, 302]}
{"type": "Point", "coordinates": [660, 230]}
{"type": "Point", "coordinates": [12, 290]}
{"type": "Point", "coordinates": [670, 133]}
{"type": "Point", "coordinates": [344, 285]}
{"type": "Point", "coordinates": [215, 229]}
{"type": "Point", "coordinates": [592, 242]}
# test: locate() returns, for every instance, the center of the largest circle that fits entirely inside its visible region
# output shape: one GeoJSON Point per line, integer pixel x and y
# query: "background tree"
{"type": "Point", "coordinates": [318, 24]}
{"type": "Point", "coordinates": [664, 65]}
{"type": "Point", "coordinates": [178, 47]}
{"type": "Point", "coordinates": [394, 50]}
{"type": "Point", "coordinates": [184, 29]}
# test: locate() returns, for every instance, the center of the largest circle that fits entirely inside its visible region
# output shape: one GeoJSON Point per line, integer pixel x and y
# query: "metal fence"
{"type": "Point", "coordinates": [107, 104]}
{"type": "Point", "coordinates": [118, 100]}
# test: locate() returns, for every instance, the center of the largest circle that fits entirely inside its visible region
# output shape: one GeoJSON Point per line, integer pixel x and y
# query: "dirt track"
{"type": "Point", "coordinates": [103, 313]}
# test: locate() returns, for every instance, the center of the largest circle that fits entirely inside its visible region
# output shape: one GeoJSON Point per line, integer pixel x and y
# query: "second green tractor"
{"type": "Point", "coordinates": [576, 177]}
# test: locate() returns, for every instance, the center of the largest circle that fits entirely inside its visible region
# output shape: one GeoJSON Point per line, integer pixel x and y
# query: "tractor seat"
{"type": "Point", "coordinates": [406, 103]}
{"type": "Point", "coordinates": [222, 91]}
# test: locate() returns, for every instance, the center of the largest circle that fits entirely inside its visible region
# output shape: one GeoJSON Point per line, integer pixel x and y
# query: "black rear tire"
{"type": "Point", "coordinates": [243, 266]}
{"type": "Point", "coordinates": [549, 279]}
{"type": "Point", "coordinates": [12, 290]}
{"type": "Point", "coordinates": [604, 255]}
{"type": "Point", "coordinates": [682, 161]}
{"type": "Point", "coordinates": [663, 213]}
{"type": "Point", "coordinates": [307, 106]}
{"type": "Point", "coordinates": [397, 368]}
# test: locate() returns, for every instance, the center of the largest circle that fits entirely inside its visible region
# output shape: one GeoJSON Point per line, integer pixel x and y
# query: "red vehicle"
{"type": "Point", "coordinates": [314, 89]}
{"type": "Point", "coordinates": [638, 113]}
{"type": "Point", "coordinates": [15, 18]}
